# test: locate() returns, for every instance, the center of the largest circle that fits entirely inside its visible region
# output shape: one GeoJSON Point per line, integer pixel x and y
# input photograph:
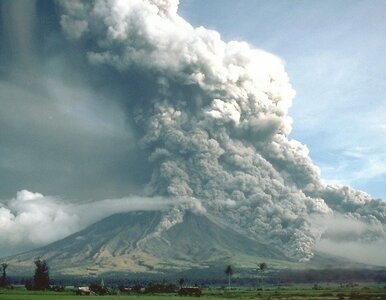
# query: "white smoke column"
{"type": "Point", "coordinates": [214, 119]}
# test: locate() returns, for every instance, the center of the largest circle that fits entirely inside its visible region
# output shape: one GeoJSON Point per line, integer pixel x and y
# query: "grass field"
{"type": "Point", "coordinates": [362, 293]}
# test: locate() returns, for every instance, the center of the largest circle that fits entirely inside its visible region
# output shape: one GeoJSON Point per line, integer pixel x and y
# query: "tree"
{"type": "Point", "coordinates": [181, 282]}
{"type": "Point", "coordinates": [229, 272]}
{"type": "Point", "coordinates": [4, 279]}
{"type": "Point", "coordinates": [261, 267]}
{"type": "Point", "coordinates": [41, 277]}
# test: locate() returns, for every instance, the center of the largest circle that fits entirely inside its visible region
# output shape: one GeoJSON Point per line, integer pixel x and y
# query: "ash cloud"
{"type": "Point", "coordinates": [367, 253]}
{"type": "Point", "coordinates": [352, 237]}
{"type": "Point", "coordinates": [215, 122]}
{"type": "Point", "coordinates": [207, 120]}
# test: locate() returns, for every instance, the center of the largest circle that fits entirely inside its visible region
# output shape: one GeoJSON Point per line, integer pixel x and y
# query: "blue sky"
{"type": "Point", "coordinates": [335, 55]}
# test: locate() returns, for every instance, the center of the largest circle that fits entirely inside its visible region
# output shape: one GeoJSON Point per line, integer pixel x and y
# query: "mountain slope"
{"type": "Point", "coordinates": [130, 243]}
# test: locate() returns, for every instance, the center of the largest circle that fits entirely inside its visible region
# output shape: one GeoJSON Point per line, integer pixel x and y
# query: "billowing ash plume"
{"type": "Point", "coordinates": [213, 116]}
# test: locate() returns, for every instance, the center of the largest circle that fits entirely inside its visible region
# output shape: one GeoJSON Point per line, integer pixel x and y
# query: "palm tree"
{"type": "Point", "coordinates": [4, 280]}
{"type": "Point", "coordinates": [261, 267]}
{"type": "Point", "coordinates": [229, 272]}
{"type": "Point", "coordinates": [181, 282]}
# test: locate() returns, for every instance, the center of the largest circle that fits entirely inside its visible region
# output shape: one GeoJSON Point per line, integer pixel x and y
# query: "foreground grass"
{"type": "Point", "coordinates": [362, 293]}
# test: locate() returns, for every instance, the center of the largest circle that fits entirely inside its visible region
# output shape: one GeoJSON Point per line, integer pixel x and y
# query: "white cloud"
{"type": "Point", "coordinates": [30, 219]}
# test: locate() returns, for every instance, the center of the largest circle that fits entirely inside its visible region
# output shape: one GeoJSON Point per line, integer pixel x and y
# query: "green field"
{"type": "Point", "coordinates": [361, 293]}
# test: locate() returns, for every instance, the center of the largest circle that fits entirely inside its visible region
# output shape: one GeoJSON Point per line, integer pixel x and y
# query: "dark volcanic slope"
{"type": "Point", "coordinates": [199, 239]}
{"type": "Point", "coordinates": [128, 242]}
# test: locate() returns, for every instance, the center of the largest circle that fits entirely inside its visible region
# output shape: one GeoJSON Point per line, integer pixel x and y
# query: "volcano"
{"type": "Point", "coordinates": [128, 242]}
{"type": "Point", "coordinates": [108, 99]}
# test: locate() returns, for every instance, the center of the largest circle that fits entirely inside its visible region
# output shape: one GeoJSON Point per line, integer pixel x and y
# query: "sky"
{"type": "Point", "coordinates": [265, 117]}
{"type": "Point", "coordinates": [334, 53]}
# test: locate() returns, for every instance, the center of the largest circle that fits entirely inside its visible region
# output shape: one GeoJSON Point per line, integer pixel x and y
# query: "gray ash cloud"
{"type": "Point", "coordinates": [211, 118]}
{"type": "Point", "coordinates": [215, 122]}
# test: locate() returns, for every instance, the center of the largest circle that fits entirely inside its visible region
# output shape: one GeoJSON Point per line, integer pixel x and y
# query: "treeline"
{"type": "Point", "coordinates": [273, 277]}
{"type": "Point", "coordinates": [328, 275]}
{"type": "Point", "coordinates": [240, 277]}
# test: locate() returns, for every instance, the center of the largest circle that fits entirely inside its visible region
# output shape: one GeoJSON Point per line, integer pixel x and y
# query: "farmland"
{"type": "Point", "coordinates": [293, 292]}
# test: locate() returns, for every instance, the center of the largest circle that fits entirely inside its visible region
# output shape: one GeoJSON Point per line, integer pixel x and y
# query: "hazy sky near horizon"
{"type": "Point", "coordinates": [335, 55]}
